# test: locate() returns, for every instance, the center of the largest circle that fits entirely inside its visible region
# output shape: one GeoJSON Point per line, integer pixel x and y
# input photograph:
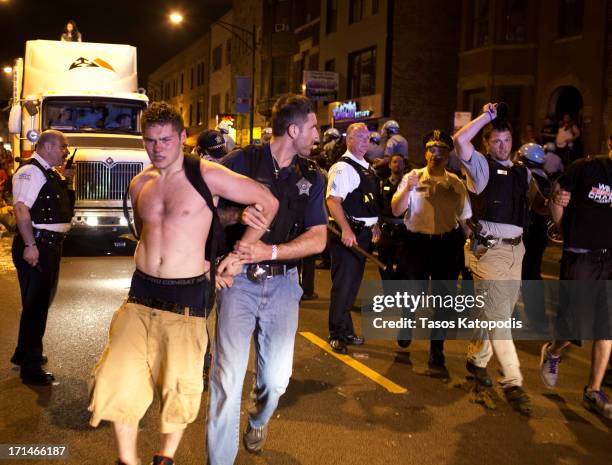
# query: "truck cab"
{"type": "Point", "coordinates": [89, 92]}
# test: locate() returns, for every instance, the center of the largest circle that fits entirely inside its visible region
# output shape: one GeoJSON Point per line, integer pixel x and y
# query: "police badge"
{"type": "Point", "coordinates": [303, 186]}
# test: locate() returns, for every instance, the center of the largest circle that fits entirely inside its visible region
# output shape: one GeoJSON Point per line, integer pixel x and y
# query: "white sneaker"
{"type": "Point", "coordinates": [549, 367]}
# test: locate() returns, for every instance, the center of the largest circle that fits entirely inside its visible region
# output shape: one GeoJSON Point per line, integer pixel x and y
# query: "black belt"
{"type": "Point", "coordinates": [491, 241]}
{"type": "Point", "coordinates": [168, 306]}
{"type": "Point", "coordinates": [431, 236]}
{"type": "Point", "coordinates": [257, 272]}
{"type": "Point", "coordinates": [46, 234]}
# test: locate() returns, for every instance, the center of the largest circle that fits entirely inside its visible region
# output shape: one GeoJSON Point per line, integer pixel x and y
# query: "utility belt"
{"type": "Point", "coordinates": [491, 241]}
{"type": "Point", "coordinates": [259, 272]}
{"type": "Point", "coordinates": [357, 226]}
{"type": "Point", "coordinates": [52, 238]}
{"type": "Point", "coordinates": [168, 306]}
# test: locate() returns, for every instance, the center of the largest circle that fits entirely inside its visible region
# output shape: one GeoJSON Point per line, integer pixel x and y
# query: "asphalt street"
{"type": "Point", "coordinates": [332, 412]}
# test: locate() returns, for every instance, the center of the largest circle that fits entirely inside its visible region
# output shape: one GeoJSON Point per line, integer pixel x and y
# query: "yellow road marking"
{"type": "Point", "coordinates": [354, 364]}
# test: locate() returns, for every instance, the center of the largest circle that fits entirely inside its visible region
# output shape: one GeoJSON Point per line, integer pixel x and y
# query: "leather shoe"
{"type": "Point", "coordinates": [338, 346]}
{"type": "Point", "coordinates": [404, 343]}
{"type": "Point", "coordinates": [313, 296]}
{"type": "Point", "coordinates": [480, 374]}
{"type": "Point", "coordinates": [353, 340]}
{"type": "Point", "coordinates": [437, 368]}
{"type": "Point", "coordinates": [18, 359]}
{"type": "Point", "coordinates": [38, 377]}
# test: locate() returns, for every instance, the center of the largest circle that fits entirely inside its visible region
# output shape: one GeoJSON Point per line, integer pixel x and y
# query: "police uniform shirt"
{"type": "Point", "coordinates": [396, 144]}
{"type": "Point", "coordinates": [27, 183]}
{"type": "Point", "coordinates": [436, 203]}
{"type": "Point", "coordinates": [344, 179]}
{"type": "Point", "coordinates": [315, 215]}
{"type": "Point", "coordinates": [477, 173]}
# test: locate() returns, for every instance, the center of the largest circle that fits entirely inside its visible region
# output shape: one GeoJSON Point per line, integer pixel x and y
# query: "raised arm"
{"type": "Point", "coordinates": [463, 138]}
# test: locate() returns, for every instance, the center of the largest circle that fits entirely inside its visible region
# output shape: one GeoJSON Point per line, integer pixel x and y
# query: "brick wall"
{"type": "Point", "coordinates": [424, 67]}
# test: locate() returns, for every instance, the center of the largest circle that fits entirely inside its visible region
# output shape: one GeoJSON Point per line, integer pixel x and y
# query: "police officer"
{"type": "Point", "coordinates": [44, 210]}
{"type": "Point", "coordinates": [331, 137]}
{"type": "Point", "coordinates": [263, 301]}
{"type": "Point", "coordinates": [352, 192]}
{"type": "Point", "coordinates": [392, 227]}
{"type": "Point", "coordinates": [536, 239]}
{"type": "Point", "coordinates": [434, 203]}
{"type": "Point", "coordinates": [211, 145]}
{"type": "Point", "coordinates": [501, 193]}
{"type": "Point", "coordinates": [376, 149]}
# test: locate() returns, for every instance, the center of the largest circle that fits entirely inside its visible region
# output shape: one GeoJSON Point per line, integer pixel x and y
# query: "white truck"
{"type": "Point", "coordinates": [89, 91]}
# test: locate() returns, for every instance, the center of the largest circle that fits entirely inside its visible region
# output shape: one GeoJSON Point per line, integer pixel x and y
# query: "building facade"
{"type": "Point", "coordinates": [183, 81]}
{"type": "Point", "coordinates": [543, 58]}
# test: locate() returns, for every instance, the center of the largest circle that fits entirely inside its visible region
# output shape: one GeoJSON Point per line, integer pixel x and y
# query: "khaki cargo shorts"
{"type": "Point", "coordinates": [149, 350]}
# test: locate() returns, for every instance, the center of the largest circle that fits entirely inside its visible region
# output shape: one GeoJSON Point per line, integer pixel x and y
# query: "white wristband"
{"type": "Point", "coordinates": [274, 251]}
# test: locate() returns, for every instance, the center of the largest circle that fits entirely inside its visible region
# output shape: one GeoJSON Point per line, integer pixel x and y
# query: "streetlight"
{"type": "Point", "coordinates": [176, 17]}
{"type": "Point", "coordinates": [252, 46]}
{"type": "Point", "coordinates": [7, 70]}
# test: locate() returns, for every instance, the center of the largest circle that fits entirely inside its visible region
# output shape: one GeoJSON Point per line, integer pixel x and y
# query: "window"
{"type": "Point", "coordinates": [280, 75]}
{"type": "Point", "coordinates": [515, 21]}
{"type": "Point", "coordinates": [191, 80]}
{"type": "Point", "coordinates": [355, 11]}
{"type": "Point", "coordinates": [479, 24]}
{"type": "Point", "coordinates": [375, 7]}
{"type": "Point", "coordinates": [571, 16]}
{"type": "Point", "coordinates": [199, 115]}
{"type": "Point", "coordinates": [362, 73]}
{"type": "Point", "coordinates": [331, 19]}
{"type": "Point", "coordinates": [216, 58]}
{"type": "Point", "coordinates": [182, 86]}
{"type": "Point", "coordinates": [190, 115]}
{"type": "Point", "coordinates": [200, 77]}
{"type": "Point", "coordinates": [330, 65]}
{"type": "Point", "coordinates": [227, 103]}
{"type": "Point", "coordinates": [215, 104]}
{"type": "Point", "coordinates": [228, 52]}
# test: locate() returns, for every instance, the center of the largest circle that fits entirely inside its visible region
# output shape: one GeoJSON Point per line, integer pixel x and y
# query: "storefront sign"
{"type": "Point", "coordinates": [320, 85]}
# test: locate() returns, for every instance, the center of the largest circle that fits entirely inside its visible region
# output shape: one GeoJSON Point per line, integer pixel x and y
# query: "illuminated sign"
{"type": "Point", "coordinates": [349, 111]}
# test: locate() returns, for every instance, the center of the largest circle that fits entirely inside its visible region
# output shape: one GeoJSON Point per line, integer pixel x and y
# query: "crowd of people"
{"type": "Point", "coordinates": [261, 213]}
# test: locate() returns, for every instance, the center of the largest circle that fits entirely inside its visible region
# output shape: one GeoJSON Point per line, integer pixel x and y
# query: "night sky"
{"type": "Point", "coordinates": [141, 23]}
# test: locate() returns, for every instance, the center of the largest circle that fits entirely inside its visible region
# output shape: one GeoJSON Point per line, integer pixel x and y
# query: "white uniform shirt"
{"type": "Point", "coordinates": [344, 179]}
{"type": "Point", "coordinates": [27, 183]}
{"type": "Point", "coordinates": [436, 203]}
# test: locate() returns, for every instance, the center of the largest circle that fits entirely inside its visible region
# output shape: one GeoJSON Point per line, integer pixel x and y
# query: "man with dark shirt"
{"type": "Point", "coordinates": [264, 299]}
{"type": "Point", "coordinates": [586, 312]}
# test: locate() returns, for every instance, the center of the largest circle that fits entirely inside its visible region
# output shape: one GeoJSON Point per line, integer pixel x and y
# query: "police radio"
{"type": "Point", "coordinates": [70, 160]}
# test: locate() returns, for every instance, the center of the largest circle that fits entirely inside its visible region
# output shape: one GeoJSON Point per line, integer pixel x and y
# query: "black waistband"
{"type": "Point", "coordinates": [183, 295]}
{"type": "Point", "coordinates": [171, 282]}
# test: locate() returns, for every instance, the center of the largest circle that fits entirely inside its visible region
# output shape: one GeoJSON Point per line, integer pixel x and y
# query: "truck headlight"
{"type": "Point", "coordinates": [91, 221]}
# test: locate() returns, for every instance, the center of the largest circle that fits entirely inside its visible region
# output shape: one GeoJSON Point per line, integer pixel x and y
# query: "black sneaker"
{"type": "Point", "coordinates": [255, 438]}
{"type": "Point", "coordinates": [162, 460]}
{"type": "Point", "coordinates": [353, 340]}
{"type": "Point", "coordinates": [518, 399]}
{"type": "Point", "coordinates": [480, 374]}
{"type": "Point", "coordinates": [338, 346]}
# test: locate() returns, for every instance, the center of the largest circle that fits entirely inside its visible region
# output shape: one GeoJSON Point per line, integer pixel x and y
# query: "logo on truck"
{"type": "Point", "coordinates": [86, 63]}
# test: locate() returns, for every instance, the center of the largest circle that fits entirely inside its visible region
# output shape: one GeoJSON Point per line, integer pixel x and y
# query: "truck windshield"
{"type": "Point", "coordinates": [93, 115]}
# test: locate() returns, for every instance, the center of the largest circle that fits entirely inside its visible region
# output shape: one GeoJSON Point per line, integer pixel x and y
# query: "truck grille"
{"type": "Point", "coordinates": [95, 180]}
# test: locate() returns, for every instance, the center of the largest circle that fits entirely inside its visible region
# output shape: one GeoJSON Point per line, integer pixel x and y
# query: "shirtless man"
{"type": "Point", "coordinates": [157, 338]}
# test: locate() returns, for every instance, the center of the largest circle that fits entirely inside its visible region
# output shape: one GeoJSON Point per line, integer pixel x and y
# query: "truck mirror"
{"type": "Point", "coordinates": [14, 122]}
{"type": "Point", "coordinates": [31, 107]}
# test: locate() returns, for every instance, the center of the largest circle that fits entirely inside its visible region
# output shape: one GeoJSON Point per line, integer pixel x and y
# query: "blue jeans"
{"type": "Point", "coordinates": [269, 312]}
